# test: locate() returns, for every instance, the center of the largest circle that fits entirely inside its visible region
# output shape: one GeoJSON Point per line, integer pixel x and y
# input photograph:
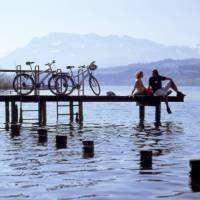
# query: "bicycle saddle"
{"type": "Point", "coordinates": [69, 67]}
{"type": "Point", "coordinates": [29, 63]}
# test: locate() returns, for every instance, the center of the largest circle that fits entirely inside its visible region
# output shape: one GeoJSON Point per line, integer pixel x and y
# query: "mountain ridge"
{"type": "Point", "coordinates": [184, 72]}
{"type": "Point", "coordinates": [111, 50]}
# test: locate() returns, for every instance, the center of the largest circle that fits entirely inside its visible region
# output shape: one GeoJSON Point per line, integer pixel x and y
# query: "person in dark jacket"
{"type": "Point", "coordinates": [155, 83]}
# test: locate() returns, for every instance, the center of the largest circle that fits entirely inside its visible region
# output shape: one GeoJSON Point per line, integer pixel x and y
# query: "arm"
{"type": "Point", "coordinates": [135, 86]}
{"type": "Point", "coordinates": [167, 78]}
{"type": "Point", "coordinates": [163, 78]}
{"type": "Point", "coordinates": [133, 90]}
{"type": "Point", "coordinates": [149, 86]}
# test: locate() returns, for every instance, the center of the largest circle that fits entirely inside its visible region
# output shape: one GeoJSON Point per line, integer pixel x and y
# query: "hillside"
{"type": "Point", "coordinates": [184, 72]}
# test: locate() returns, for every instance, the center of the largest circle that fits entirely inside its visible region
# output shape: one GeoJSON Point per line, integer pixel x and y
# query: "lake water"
{"type": "Point", "coordinates": [32, 170]}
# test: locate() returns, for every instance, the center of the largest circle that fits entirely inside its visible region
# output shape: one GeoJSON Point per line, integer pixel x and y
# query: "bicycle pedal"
{"type": "Point", "coordinates": [37, 85]}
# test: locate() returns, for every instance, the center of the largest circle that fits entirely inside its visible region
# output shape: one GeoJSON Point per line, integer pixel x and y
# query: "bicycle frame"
{"type": "Point", "coordinates": [48, 73]}
{"type": "Point", "coordinates": [76, 78]}
{"type": "Point", "coordinates": [36, 75]}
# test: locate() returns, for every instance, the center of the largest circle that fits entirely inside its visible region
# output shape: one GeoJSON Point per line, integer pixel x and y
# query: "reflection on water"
{"type": "Point", "coordinates": [35, 169]}
{"type": "Point", "coordinates": [157, 139]}
{"type": "Point", "coordinates": [31, 169]}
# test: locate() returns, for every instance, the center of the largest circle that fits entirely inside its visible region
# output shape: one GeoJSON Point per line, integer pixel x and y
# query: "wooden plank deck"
{"type": "Point", "coordinates": [22, 71]}
{"type": "Point", "coordinates": [52, 98]}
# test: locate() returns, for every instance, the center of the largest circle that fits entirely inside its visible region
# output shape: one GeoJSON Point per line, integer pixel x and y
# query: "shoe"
{"type": "Point", "coordinates": [169, 92]}
{"type": "Point", "coordinates": [180, 94]}
{"type": "Point", "coordinates": [169, 110]}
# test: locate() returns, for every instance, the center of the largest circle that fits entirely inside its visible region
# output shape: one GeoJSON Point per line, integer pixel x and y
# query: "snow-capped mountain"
{"type": "Point", "coordinates": [76, 49]}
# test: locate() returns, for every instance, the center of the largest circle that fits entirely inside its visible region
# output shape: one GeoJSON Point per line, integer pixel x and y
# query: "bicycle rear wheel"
{"type": "Point", "coordinates": [94, 85]}
{"type": "Point", "coordinates": [70, 84]}
{"type": "Point", "coordinates": [23, 84]}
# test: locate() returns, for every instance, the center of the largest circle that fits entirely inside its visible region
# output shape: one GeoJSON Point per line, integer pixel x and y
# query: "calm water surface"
{"type": "Point", "coordinates": [32, 170]}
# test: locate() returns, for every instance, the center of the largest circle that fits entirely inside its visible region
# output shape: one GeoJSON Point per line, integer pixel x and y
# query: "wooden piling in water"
{"type": "Point", "coordinates": [21, 115]}
{"type": "Point", "coordinates": [141, 114]}
{"type": "Point", "coordinates": [80, 108]}
{"type": "Point", "coordinates": [42, 135]}
{"type": "Point", "coordinates": [194, 175]}
{"type": "Point", "coordinates": [157, 114]}
{"type": "Point", "coordinates": [42, 113]}
{"type": "Point", "coordinates": [88, 149]}
{"type": "Point", "coordinates": [61, 141]}
{"type": "Point", "coordinates": [7, 115]}
{"type": "Point", "coordinates": [14, 113]}
{"type": "Point", "coordinates": [146, 159]}
{"type": "Point", "coordinates": [15, 129]}
{"type": "Point", "coordinates": [71, 111]}
{"type": "Point", "coordinates": [195, 168]}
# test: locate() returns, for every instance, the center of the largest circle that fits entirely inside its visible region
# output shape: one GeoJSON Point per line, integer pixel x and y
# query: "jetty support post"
{"type": "Point", "coordinates": [158, 114]}
{"type": "Point", "coordinates": [71, 111]}
{"type": "Point", "coordinates": [42, 113]}
{"type": "Point", "coordinates": [80, 111]}
{"type": "Point", "coordinates": [194, 175]}
{"type": "Point", "coordinates": [7, 115]}
{"type": "Point", "coordinates": [42, 135]}
{"type": "Point", "coordinates": [14, 113]}
{"type": "Point", "coordinates": [141, 114]}
{"type": "Point", "coordinates": [61, 141]}
{"type": "Point", "coordinates": [146, 159]}
{"type": "Point", "coordinates": [88, 149]}
{"type": "Point", "coordinates": [21, 114]}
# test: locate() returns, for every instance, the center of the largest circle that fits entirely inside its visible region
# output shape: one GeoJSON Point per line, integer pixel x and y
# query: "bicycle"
{"type": "Point", "coordinates": [75, 81]}
{"type": "Point", "coordinates": [24, 83]}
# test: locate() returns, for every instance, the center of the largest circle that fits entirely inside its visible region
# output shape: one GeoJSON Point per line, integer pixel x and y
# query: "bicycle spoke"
{"type": "Point", "coordinates": [94, 85]}
{"type": "Point", "coordinates": [23, 84]}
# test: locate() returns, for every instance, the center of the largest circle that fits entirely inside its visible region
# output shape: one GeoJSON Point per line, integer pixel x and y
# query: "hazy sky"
{"type": "Point", "coordinates": [171, 22]}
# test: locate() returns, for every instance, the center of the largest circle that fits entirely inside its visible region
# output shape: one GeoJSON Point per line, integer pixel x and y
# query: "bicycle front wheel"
{"type": "Point", "coordinates": [61, 85]}
{"type": "Point", "coordinates": [94, 85]}
{"type": "Point", "coordinates": [57, 85]}
{"type": "Point", "coordinates": [23, 84]}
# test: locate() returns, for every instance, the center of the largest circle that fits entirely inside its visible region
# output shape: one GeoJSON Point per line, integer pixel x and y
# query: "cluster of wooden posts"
{"type": "Point", "coordinates": [142, 113]}
{"type": "Point", "coordinates": [61, 142]}
{"type": "Point", "coordinates": [12, 109]}
{"type": "Point", "coordinates": [146, 162]}
{"type": "Point", "coordinates": [14, 126]}
{"type": "Point", "coordinates": [13, 122]}
{"type": "Point", "coordinates": [14, 114]}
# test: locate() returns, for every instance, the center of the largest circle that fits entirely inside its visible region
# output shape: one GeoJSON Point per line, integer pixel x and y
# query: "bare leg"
{"type": "Point", "coordinates": [174, 87]}
{"type": "Point", "coordinates": [167, 105]}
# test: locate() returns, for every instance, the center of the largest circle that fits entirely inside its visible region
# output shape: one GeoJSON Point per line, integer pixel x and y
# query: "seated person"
{"type": "Point", "coordinates": [139, 87]}
{"type": "Point", "coordinates": [155, 83]}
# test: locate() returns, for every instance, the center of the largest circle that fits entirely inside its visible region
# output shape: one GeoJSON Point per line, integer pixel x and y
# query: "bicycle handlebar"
{"type": "Point", "coordinates": [69, 67]}
{"type": "Point", "coordinates": [49, 64]}
{"type": "Point", "coordinates": [92, 66]}
{"type": "Point", "coordinates": [29, 63]}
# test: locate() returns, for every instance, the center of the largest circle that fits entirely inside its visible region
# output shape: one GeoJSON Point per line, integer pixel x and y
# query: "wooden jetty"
{"type": "Point", "coordinates": [141, 101]}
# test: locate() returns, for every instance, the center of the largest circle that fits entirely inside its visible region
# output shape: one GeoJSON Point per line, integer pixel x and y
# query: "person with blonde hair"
{"type": "Point", "coordinates": [139, 87]}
